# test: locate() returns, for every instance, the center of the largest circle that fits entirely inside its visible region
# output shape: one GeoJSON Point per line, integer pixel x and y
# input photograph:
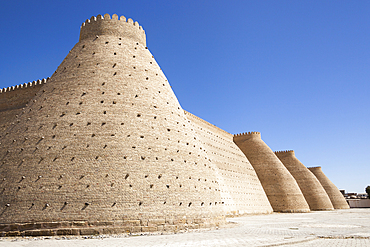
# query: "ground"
{"type": "Point", "coordinates": [321, 228]}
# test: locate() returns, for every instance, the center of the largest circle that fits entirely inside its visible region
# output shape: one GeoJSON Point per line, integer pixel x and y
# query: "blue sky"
{"type": "Point", "coordinates": [296, 71]}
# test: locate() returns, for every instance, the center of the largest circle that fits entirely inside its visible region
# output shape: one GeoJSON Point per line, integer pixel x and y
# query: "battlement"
{"type": "Point", "coordinates": [315, 168]}
{"type": "Point", "coordinates": [105, 25]}
{"type": "Point", "coordinates": [24, 85]}
{"type": "Point", "coordinates": [284, 152]}
{"type": "Point", "coordinates": [248, 134]}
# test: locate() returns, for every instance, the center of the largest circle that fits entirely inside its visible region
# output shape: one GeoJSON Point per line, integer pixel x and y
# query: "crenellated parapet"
{"type": "Point", "coordinates": [284, 152]}
{"type": "Point", "coordinates": [116, 26]}
{"type": "Point", "coordinates": [314, 168]}
{"type": "Point", "coordinates": [24, 85]}
{"type": "Point", "coordinates": [248, 133]}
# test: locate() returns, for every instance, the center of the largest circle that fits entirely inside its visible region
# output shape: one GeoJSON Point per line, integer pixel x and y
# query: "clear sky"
{"type": "Point", "coordinates": [296, 71]}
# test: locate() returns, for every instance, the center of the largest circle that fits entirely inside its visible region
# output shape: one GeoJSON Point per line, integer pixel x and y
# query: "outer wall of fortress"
{"type": "Point", "coordinates": [103, 146]}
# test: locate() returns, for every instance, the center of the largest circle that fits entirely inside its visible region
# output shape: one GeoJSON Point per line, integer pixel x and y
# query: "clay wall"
{"type": "Point", "coordinates": [281, 188]}
{"type": "Point", "coordinates": [13, 99]}
{"type": "Point", "coordinates": [313, 192]}
{"type": "Point", "coordinates": [240, 188]}
{"type": "Point", "coordinates": [336, 198]}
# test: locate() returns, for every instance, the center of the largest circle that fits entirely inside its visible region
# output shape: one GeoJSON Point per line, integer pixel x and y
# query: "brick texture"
{"type": "Point", "coordinates": [313, 192]}
{"type": "Point", "coordinates": [280, 186]}
{"type": "Point", "coordinates": [336, 198]}
{"type": "Point", "coordinates": [240, 187]}
{"type": "Point", "coordinates": [13, 100]}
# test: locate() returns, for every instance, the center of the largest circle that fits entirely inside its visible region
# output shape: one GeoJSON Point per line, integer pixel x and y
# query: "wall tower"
{"type": "Point", "coordinates": [281, 188]}
{"type": "Point", "coordinates": [311, 188]}
{"type": "Point", "coordinates": [336, 198]}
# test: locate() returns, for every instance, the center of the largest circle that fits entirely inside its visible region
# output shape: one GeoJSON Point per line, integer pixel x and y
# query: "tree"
{"type": "Point", "coordinates": [368, 191]}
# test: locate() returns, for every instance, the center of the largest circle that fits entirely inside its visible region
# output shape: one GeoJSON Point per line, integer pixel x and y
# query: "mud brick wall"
{"type": "Point", "coordinates": [313, 192]}
{"type": "Point", "coordinates": [281, 188]}
{"type": "Point", "coordinates": [240, 187]}
{"type": "Point", "coordinates": [336, 198]}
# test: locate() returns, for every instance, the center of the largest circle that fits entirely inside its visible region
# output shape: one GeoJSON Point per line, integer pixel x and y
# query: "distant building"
{"type": "Point", "coordinates": [358, 203]}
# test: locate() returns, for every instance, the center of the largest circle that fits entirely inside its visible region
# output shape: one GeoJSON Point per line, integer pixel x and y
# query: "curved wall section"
{"type": "Point", "coordinates": [281, 188]}
{"type": "Point", "coordinates": [313, 192]}
{"type": "Point", "coordinates": [240, 188]}
{"type": "Point", "coordinates": [336, 198]}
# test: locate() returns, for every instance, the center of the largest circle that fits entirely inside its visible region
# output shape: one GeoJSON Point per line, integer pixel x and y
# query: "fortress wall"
{"type": "Point", "coordinates": [313, 192]}
{"type": "Point", "coordinates": [105, 145]}
{"type": "Point", "coordinates": [336, 198]}
{"type": "Point", "coordinates": [13, 99]}
{"type": "Point", "coordinates": [281, 188]}
{"type": "Point", "coordinates": [240, 188]}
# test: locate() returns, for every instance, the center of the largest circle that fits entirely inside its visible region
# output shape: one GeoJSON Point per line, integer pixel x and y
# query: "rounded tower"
{"type": "Point", "coordinates": [280, 186]}
{"type": "Point", "coordinates": [313, 192]}
{"type": "Point", "coordinates": [105, 146]}
{"type": "Point", "coordinates": [336, 198]}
